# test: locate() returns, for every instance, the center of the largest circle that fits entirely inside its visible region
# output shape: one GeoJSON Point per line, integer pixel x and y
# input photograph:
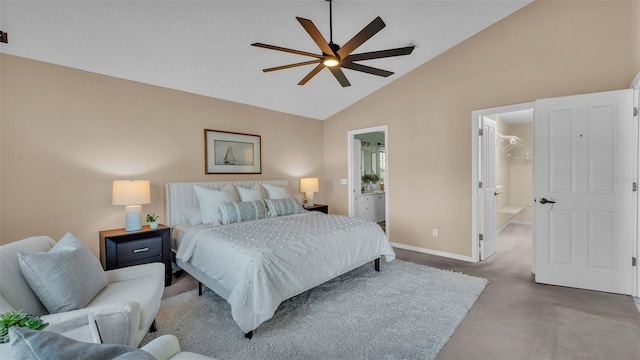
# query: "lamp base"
{"type": "Point", "coordinates": [132, 217]}
{"type": "Point", "coordinates": [309, 197]}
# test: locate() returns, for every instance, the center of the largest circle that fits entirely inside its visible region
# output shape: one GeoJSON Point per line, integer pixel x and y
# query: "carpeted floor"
{"type": "Point", "coordinates": [514, 318]}
{"type": "Point", "coordinates": [407, 311]}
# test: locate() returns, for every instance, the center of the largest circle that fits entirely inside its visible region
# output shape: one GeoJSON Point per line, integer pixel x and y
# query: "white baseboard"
{"type": "Point", "coordinates": [432, 252]}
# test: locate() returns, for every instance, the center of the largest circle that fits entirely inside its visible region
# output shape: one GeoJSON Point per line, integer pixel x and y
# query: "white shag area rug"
{"type": "Point", "coordinates": [406, 311]}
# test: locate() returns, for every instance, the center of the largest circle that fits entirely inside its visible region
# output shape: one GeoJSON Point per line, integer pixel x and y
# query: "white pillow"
{"type": "Point", "coordinates": [276, 192]}
{"type": "Point", "coordinates": [250, 194]}
{"type": "Point", "coordinates": [192, 215]}
{"type": "Point", "coordinates": [210, 201]}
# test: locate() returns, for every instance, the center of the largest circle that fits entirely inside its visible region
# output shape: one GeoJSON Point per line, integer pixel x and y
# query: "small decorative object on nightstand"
{"type": "Point", "coordinates": [319, 207]}
{"type": "Point", "coordinates": [153, 221]}
{"type": "Point", "coordinates": [120, 248]}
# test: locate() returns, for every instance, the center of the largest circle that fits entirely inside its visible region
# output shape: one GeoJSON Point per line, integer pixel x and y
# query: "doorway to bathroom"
{"type": "Point", "coordinates": [368, 180]}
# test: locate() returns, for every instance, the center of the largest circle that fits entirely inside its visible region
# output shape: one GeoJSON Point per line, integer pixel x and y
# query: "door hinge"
{"type": "Point", "coordinates": [480, 184]}
{"type": "Point", "coordinates": [634, 261]}
{"type": "Point", "coordinates": [635, 186]}
{"type": "Point", "coordinates": [480, 237]}
{"type": "Point", "coordinates": [635, 113]}
{"type": "Point", "coordinates": [480, 132]}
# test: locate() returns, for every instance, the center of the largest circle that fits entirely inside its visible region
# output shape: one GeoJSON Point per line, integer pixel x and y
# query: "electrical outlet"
{"type": "Point", "coordinates": [435, 232]}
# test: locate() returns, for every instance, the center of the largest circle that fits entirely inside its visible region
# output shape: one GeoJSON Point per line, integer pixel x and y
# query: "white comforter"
{"type": "Point", "coordinates": [267, 261]}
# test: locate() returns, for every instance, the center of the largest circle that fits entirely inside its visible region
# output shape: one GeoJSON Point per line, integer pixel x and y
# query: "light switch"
{"type": "Point", "coordinates": [344, 182]}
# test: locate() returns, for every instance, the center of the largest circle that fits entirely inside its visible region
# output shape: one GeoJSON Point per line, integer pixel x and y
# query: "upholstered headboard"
{"type": "Point", "coordinates": [180, 195]}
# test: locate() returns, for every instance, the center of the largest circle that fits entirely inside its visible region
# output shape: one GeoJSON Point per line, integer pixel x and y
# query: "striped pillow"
{"type": "Point", "coordinates": [279, 207]}
{"type": "Point", "coordinates": [242, 211]}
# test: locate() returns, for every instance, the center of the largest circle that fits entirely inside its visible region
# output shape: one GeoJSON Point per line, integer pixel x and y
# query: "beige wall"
{"type": "Point", "coordinates": [67, 134]}
{"type": "Point", "coordinates": [547, 49]}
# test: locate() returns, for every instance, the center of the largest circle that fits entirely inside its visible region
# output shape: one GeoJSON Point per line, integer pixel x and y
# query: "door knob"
{"type": "Point", "coordinates": [544, 201]}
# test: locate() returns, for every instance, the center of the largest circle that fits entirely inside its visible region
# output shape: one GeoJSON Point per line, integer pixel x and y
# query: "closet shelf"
{"type": "Point", "coordinates": [511, 210]}
{"type": "Point", "coordinates": [526, 156]}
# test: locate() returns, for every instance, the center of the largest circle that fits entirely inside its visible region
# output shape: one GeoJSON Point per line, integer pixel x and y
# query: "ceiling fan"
{"type": "Point", "coordinates": [334, 57]}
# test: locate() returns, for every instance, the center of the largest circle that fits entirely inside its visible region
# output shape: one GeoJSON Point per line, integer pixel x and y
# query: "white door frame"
{"type": "Point", "coordinates": [475, 115]}
{"type": "Point", "coordinates": [350, 136]}
{"type": "Point", "coordinates": [635, 85]}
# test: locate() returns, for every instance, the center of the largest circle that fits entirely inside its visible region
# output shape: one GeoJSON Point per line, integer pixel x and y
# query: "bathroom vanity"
{"type": "Point", "coordinates": [370, 206]}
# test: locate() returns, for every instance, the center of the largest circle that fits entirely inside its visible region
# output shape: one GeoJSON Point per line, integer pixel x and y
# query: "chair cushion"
{"type": "Point", "coordinates": [65, 278]}
{"type": "Point", "coordinates": [32, 344]}
{"type": "Point", "coordinates": [146, 291]}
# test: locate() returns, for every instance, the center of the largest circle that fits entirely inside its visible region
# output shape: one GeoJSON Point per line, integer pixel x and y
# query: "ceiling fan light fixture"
{"type": "Point", "coordinates": [334, 57]}
{"type": "Point", "coordinates": [331, 61]}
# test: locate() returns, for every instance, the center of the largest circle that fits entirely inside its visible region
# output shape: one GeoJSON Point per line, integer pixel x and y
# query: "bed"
{"type": "Point", "coordinates": [256, 264]}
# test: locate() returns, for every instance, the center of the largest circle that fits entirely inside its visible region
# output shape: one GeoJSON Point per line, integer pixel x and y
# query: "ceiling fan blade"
{"type": "Point", "coordinates": [313, 31]}
{"type": "Point", "coordinates": [311, 74]}
{"type": "Point", "coordinates": [339, 74]}
{"type": "Point", "coordinates": [278, 48]}
{"type": "Point", "coordinates": [367, 69]}
{"type": "Point", "coordinates": [380, 54]}
{"type": "Point", "coordinates": [291, 65]}
{"type": "Point", "coordinates": [365, 34]}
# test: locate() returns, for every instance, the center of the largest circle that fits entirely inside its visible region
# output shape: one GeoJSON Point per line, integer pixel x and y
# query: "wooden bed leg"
{"type": "Point", "coordinates": [199, 288]}
{"type": "Point", "coordinates": [377, 264]}
{"type": "Point", "coordinates": [248, 335]}
{"type": "Point", "coordinates": [154, 326]}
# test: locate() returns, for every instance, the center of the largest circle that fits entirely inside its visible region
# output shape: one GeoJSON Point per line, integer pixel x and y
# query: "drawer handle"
{"type": "Point", "coordinates": [140, 250]}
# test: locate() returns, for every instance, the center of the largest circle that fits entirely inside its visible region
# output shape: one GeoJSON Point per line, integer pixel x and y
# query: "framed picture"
{"type": "Point", "coordinates": [232, 153]}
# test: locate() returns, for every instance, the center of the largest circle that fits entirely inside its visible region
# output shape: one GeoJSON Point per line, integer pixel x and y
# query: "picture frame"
{"type": "Point", "coordinates": [232, 153]}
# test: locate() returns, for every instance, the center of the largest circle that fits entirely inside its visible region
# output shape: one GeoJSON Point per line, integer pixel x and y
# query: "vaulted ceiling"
{"type": "Point", "coordinates": [203, 47]}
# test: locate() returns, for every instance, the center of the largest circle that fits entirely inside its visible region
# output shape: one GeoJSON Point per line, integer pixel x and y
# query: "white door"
{"type": "Point", "coordinates": [583, 169]}
{"type": "Point", "coordinates": [488, 179]}
{"type": "Point", "coordinates": [356, 173]}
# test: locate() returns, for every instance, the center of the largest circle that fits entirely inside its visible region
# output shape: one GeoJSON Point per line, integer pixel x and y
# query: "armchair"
{"type": "Point", "coordinates": [134, 292]}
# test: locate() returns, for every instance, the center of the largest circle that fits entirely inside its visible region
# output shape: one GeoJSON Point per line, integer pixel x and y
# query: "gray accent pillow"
{"type": "Point", "coordinates": [65, 278]}
{"type": "Point", "coordinates": [280, 207]}
{"type": "Point", "coordinates": [242, 211]}
{"type": "Point", "coordinates": [33, 344]}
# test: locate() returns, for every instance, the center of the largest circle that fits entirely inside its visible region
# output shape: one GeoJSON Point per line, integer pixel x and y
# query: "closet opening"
{"type": "Point", "coordinates": [502, 180]}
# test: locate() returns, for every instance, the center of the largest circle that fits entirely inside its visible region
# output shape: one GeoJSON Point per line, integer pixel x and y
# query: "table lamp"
{"type": "Point", "coordinates": [309, 186]}
{"type": "Point", "coordinates": [132, 194]}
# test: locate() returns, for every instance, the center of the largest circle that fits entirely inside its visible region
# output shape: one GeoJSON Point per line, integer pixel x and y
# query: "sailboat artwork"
{"type": "Point", "coordinates": [229, 159]}
{"type": "Point", "coordinates": [232, 153]}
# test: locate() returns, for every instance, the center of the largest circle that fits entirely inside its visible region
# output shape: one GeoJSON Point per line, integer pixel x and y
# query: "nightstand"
{"type": "Point", "coordinates": [319, 207]}
{"type": "Point", "coordinates": [120, 248]}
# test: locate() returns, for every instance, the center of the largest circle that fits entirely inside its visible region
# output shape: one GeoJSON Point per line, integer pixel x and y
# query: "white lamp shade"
{"type": "Point", "coordinates": [131, 192]}
{"type": "Point", "coordinates": [308, 185]}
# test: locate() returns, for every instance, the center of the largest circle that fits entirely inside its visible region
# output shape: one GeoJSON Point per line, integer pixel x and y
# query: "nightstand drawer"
{"type": "Point", "coordinates": [139, 249]}
{"type": "Point", "coordinates": [147, 260]}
